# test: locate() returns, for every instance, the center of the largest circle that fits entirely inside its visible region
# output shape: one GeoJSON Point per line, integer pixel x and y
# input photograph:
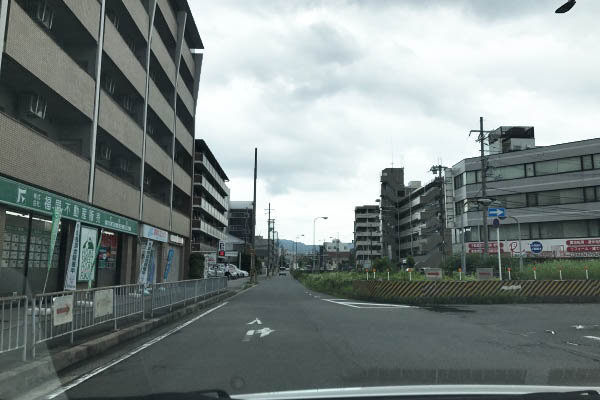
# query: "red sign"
{"type": "Point", "coordinates": [221, 253]}
{"type": "Point", "coordinates": [63, 310]}
{"type": "Point", "coordinates": [481, 245]}
{"type": "Point", "coordinates": [582, 249]}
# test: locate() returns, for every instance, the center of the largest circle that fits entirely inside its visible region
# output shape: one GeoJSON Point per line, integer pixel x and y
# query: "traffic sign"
{"type": "Point", "coordinates": [499, 212]}
{"type": "Point", "coordinates": [221, 249]}
{"type": "Point", "coordinates": [536, 247]}
{"type": "Point", "coordinates": [496, 223]}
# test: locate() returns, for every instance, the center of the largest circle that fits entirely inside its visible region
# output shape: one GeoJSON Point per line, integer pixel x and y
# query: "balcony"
{"type": "Point", "coordinates": [157, 158]}
{"type": "Point", "coordinates": [119, 124]}
{"type": "Point", "coordinates": [155, 213]}
{"type": "Point", "coordinates": [33, 48]}
{"type": "Point", "coordinates": [186, 96]}
{"type": "Point", "coordinates": [160, 106]}
{"type": "Point", "coordinates": [208, 229]}
{"type": "Point", "coordinates": [87, 13]}
{"type": "Point", "coordinates": [163, 57]}
{"type": "Point", "coordinates": [188, 58]}
{"type": "Point", "coordinates": [182, 179]}
{"type": "Point", "coordinates": [169, 16]}
{"type": "Point", "coordinates": [180, 223]}
{"type": "Point", "coordinates": [115, 195]}
{"type": "Point", "coordinates": [213, 212]}
{"type": "Point", "coordinates": [184, 137]}
{"type": "Point", "coordinates": [138, 14]}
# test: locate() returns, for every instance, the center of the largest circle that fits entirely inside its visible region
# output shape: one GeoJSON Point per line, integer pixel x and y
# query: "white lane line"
{"type": "Point", "coordinates": [256, 321]}
{"type": "Point", "coordinates": [356, 304]}
{"type": "Point", "coordinates": [592, 337]}
{"type": "Point", "coordinates": [124, 357]}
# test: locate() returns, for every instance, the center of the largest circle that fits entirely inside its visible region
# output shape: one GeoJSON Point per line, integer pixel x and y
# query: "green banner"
{"type": "Point", "coordinates": [55, 223]}
{"type": "Point", "coordinates": [20, 195]}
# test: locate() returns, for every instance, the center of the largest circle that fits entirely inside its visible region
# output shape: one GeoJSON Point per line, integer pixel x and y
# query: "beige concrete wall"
{"type": "Point", "coordinates": [184, 137]}
{"type": "Point", "coordinates": [29, 156]}
{"type": "Point", "coordinates": [123, 57]}
{"type": "Point", "coordinates": [161, 53]}
{"type": "Point", "coordinates": [169, 15]}
{"type": "Point", "coordinates": [187, 57]}
{"type": "Point", "coordinates": [31, 47]}
{"type": "Point", "coordinates": [160, 106]}
{"type": "Point", "coordinates": [139, 15]}
{"type": "Point", "coordinates": [121, 126]}
{"type": "Point", "coordinates": [155, 213]}
{"type": "Point", "coordinates": [186, 96]}
{"type": "Point", "coordinates": [181, 224]}
{"type": "Point", "coordinates": [115, 195]}
{"type": "Point", "coordinates": [182, 180]}
{"type": "Point", "coordinates": [157, 158]}
{"type": "Point", "coordinates": [88, 13]}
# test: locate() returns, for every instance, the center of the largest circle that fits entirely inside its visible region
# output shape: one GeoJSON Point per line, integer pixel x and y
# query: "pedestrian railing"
{"type": "Point", "coordinates": [62, 314]}
{"type": "Point", "coordinates": [13, 324]}
{"type": "Point", "coordinates": [169, 294]}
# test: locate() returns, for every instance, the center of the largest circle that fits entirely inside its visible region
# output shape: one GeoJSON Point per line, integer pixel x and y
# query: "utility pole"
{"type": "Point", "coordinates": [441, 220]}
{"type": "Point", "coordinates": [483, 187]}
{"type": "Point", "coordinates": [269, 241]}
{"type": "Point", "coordinates": [253, 265]}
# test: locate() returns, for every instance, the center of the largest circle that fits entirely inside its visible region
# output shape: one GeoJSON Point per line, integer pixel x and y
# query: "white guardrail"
{"type": "Point", "coordinates": [61, 314]}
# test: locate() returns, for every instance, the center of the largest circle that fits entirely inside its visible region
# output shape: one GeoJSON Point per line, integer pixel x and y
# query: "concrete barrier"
{"type": "Point", "coordinates": [455, 291]}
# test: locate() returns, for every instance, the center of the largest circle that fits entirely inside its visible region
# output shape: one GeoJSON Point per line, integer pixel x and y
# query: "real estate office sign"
{"type": "Point", "coordinates": [20, 195]}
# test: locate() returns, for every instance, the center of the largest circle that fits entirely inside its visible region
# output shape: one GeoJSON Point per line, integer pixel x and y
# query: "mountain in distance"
{"type": "Point", "coordinates": [290, 246]}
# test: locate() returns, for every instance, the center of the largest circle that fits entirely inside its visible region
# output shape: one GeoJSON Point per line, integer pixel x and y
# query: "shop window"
{"type": "Point", "coordinates": [39, 247]}
{"type": "Point", "coordinates": [14, 240]}
{"type": "Point", "coordinates": [108, 252]}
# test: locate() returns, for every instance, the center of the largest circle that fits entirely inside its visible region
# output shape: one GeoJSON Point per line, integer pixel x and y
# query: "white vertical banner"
{"type": "Point", "coordinates": [87, 253]}
{"type": "Point", "coordinates": [71, 278]}
{"type": "Point", "coordinates": [144, 266]}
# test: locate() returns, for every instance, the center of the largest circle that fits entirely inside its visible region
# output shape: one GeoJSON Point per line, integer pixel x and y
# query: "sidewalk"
{"type": "Point", "coordinates": [17, 376]}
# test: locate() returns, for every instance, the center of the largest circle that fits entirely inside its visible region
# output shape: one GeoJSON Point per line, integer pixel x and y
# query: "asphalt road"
{"type": "Point", "coordinates": [306, 340]}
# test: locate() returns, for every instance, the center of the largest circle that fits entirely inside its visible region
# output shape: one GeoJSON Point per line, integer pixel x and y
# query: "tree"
{"type": "Point", "coordinates": [196, 265]}
{"type": "Point", "coordinates": [382, 264]}
{"type": "Point", "coordinates": [410, 261]}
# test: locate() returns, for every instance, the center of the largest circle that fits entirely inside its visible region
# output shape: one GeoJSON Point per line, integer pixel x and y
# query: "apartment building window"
{"type": "Point", "coordinates": [587, 162]}
{"type": "Point", "coordinates": [471, 177]}
{"type": "Point", "coordinates": [596, 160]}
{"type": "Point", "coordinates": [509, 172]}
{"type": "Point", "coordinates": [529, 169]}
{"type": "Point", "coordinates": [558, 166]}
{"type": "Point", "coordinates": [590, 193]}
{"type": "Point", "coordinates": [532, 200]}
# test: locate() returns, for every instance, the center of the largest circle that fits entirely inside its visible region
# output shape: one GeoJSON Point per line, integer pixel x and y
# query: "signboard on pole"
{"type": "Point", "coordinates": [87, 253]}
{"type": "Point", "coordinates": [221, 249]}
{"type": "Point", "coordinates": [147, 254]}
{"type": "Point", "coordinates": [485, 274]}
{"type": "Point", "coordinates": [62, 310]}
{"type": "Point", "coordinates": [210, 261]}
{"type": "Point", "coordinates": [71, 277]}
{"type": "Point", "coordinates": [151, 270]}
{"type": "Point", "coordinates": [498, 212]}
{"type": "Point", "coordinates": [433, 274]}
{"type": "Point", "coordinates": [169, 261]}
{"type": "Point", "coordinates": [55, 222]}
{"type": "Point", "coordinates": [103, 302]}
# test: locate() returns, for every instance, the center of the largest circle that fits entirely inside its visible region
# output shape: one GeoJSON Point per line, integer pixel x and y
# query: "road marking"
{"type": "Point", "coordinates": [248, 336]}
{"type": "Point", "coordinates": [256, 321]}
{"type": "Point", "coordinates": [265, 332]}
{"type": "Point", "coordinates": [360, 304]}
{"type": "Point", "coordinates": [124, 357]}
{"type": "Point", "coordinates": [592, 337]}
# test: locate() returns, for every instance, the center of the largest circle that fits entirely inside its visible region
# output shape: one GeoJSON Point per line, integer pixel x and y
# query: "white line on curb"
{"type": "Point", "coordinates": [124, 357]}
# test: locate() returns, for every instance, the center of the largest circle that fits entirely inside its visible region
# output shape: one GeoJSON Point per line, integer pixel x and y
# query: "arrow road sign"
{"type": "Point", "coordinates": [265, 331]}
{"type": "Point", "coordinates": [499, 212]}
{"type": "Point", "coordinates": [256, 321]}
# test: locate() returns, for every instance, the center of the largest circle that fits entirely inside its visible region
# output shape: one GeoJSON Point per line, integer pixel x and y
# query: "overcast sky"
{"type": "Point", "coordinates": [331, 92]}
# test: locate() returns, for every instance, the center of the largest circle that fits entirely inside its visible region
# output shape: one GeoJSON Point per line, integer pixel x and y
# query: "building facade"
{"type": "Point", "coordinates": [552, 191]}
{"type": "Point", "coordinates": [210, 199]}
{"type": "Point", "coordinates": [392, 191]}
{"type": "Point", "coordinates": [241, 220]}
{"type": "Point", "coordinates": [97, 109]}
{"type": "Point", "coordinates": [337, 253]}
{"type": "Point", "coordinates": [367, 235]}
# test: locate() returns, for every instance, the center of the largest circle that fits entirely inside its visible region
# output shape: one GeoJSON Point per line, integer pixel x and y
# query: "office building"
{"type": "Point", "coordinates": [552, 191]}
{"type": "Point", "coordinates": [337, 253]}
{"type": "Point", "coordinates": [241, 220]}
{"type": "Point", "coordinates": [392, 191]}
{"type": "Point", "coordinates": [97, 120]}
{"type": "Point", "coordinates": [211, 200]}
{"type": "Point", "coordinates": [367, 235]}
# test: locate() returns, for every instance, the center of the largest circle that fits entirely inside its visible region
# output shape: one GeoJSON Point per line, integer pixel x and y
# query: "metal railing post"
{"type": "Point", "coordinates": [151, 303]}
{"type": "Point", "coordinates": [115, 297]}
{"type": "Point", "coordinates": [33, 327]}
{"type": "Point", "coordinates": [184, 292]}
{"type": "Point", "coordinates": [170, 300]}
{"type": "Point", "coordinates": [73, 318]}
{"type": "Point", "coordinates": [25, 329]}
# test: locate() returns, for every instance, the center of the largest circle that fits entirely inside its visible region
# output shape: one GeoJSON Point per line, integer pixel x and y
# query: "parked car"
{"type": "Point", "coordinates": [282, 271]}
{"type": "Point", "coordinates": [242, 273]}
{"type": "Point", "coordinates": [216, 271]}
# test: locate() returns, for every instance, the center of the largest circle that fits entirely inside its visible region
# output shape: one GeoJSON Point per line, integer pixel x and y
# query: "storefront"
{"type": "Point", "coordinates": [154, 247]}
{"type": "Point", "coordinates": [31, 256]}
{"type": "Point", "coordinates": [174, 270]}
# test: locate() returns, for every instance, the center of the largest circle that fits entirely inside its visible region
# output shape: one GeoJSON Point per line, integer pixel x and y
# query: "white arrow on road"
{"type": "Point", "coordinates": [265, 331]}
{"type": "Point", "coordinates": [256, 321]}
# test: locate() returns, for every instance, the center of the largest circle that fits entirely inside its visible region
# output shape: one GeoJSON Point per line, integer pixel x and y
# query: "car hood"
{"type": "Point", "coordinates": [411, 390]}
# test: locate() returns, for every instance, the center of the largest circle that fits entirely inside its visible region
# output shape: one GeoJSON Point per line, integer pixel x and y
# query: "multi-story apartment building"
{"type": "Point", "coordinates": [552, 191]}
{"type": "Point", "coordinates": [336, 253]}
{"type": "Point", "coordinates": [97, 108]}
{"type": "Point", "coordinates": [241, 220]}
{"type": "Point", "coordinates": [211, 200]}
{"type": "Point", "coordinates": [422, 232]}
{"type": "Point", "coordinates": [367, 235]}
{"type": "Point", "coordinates": [392, 191]}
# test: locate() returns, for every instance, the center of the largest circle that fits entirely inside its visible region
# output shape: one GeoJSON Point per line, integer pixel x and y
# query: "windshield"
{"type": "Point", "coordinates": [266, 196]}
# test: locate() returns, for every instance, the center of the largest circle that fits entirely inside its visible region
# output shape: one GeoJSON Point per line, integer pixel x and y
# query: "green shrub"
{"type": "Point", "coordinates": [196, 266]}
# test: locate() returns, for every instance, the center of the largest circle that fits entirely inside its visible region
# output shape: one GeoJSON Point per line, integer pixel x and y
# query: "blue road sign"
{"type": "Point", "coordinates": [496, 223]}
{"type": "Point", "coordinates": [536, 247]}
{"type": "Point", "coordinates": [499, 212]}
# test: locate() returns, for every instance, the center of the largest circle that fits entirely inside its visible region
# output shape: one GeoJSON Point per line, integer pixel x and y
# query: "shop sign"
{"type": "Point", "coordinates": [169, 262]}
{"type": "Point", "coordinates": [153, 233]}
{"type": "Point", "coordinates": [146, 256]}
{"type": "Point", "coordinates": [103, 302]}
{"type": "Point", "coordinates": [62, 310]}
{"type": "Point", "coordinates": [25, 196]}
{"type": "Point", "coordinates": [176, 239]}
{"type": "Point", "coordinates": [87, 253]}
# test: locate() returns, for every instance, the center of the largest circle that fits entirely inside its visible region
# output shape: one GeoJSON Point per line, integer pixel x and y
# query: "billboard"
{"type": "Point", "coordinates": [543, 248]}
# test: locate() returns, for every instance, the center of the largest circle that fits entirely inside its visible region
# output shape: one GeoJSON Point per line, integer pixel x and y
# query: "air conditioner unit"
{"type": "Point", "coordinates": [112, 16]}
{"type": "Point", "coordinates": [123, 165]}
{"type": "Point", "coordinates": [105, 152]}
{"type": "Point", "coordinates": [35, 105]}
{"type": "Point", "coordinates": [109, 84]}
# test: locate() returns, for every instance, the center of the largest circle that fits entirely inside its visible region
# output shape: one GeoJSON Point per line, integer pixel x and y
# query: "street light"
{"type": "Point", "coordinates": [296, 252]}
{"type": "Point", "coordinates": [565, 7]}
{"type": "Point", "coordinates": [314, 251]}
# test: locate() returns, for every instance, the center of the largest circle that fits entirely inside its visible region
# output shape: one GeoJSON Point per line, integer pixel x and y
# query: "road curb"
{"type": "Point", "coordinates": [23, 377]}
